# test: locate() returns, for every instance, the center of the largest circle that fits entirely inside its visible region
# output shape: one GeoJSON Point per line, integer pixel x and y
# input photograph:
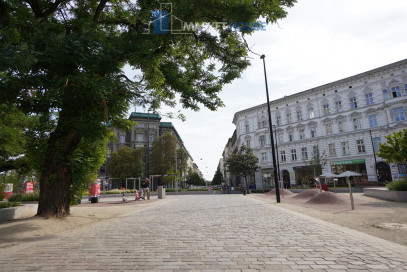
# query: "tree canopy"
{"type": "Point", "coordinates": [64, 62]}
{"type": "Point", "coordinates": [127, 163]}
{"type": "Point", "coordinates": [243, 163]}
{"type": "Point", "coordinates": [163, 155]}
{"type": "Point", "coordinates": [395, 149]}
{"type": "Point", "coordinates": [217, 178]}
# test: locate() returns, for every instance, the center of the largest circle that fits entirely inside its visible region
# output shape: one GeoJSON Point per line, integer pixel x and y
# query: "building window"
{"type": "Point", "coordinates": [356, 123]}
{"type": "Point", "coordinates": [290, 136]}
{"type": "Point", "coordinates": [264, 123]}
{"type": "Point", "coordinates": [278, 120]}
{"type": "Point", "coordinates": [311, 113]}
{"type": "Point", "coordinates": [139, 137]}
{"type": "Point", "coordinates": [151, 125]}
{"type": "Point", "coordinates": [353, 103]}
{"type": "Point", "coordinates": [289, 118]}
{"type": "Point", "coordinates": [361, 146]}
{"type": "Point", "coordinates": [395, 92]}
{"type": "Point", "coordinates": [386, 94]}
{"type": "Point", "coordinates": [326, 109]}
{"type": "Point", "coordinates": [338, 106]}
{"type": "Point", "coordinates": [302, 134]}
{"type": "Point", "coordinates": [283, 158]}
{"type": "Point", "coordinates": [258, 125]}
{"type": "Point", "coordinates": [369, 99]}
{"type": "Point", "coordinates": [405, 89]}
{"type": "Point", "coordinates": [262, 140]}
{"type": "Point", "coordinates": [304, 153]}
{"type": "Point", "coordinates": [299, 116]}
{"type": "Point", "coordinates": [376, 143]}
{"type": "Point", "coordinates": [280, 138]}
{"type": "Point", "coordinates": [151, 137]}
{"type": "Point", "coordinates": [341, 126]}
{"type": "Point", "coordinates": [247, 127]}
{"type": "Point", "coordinates": [264, 157]}
{"type": "Point", "coordinates": [293, 154]}
{"type": "Point", "coordinates": [332, 150]}
{"type": "Point", "coordinates": [373, 120]}
{"type": "Point", "coordinates": [345, 148]}
{"type": "Point", "coordinates": [328, 128]}
{"type": "Point", "coordinates": [315, 151]}
{"type": "Point", "coordinates": [313, 132]}
{"type": "Point", "coordinates": [399, 114]}
{"type": "Point", "coordinates": [122, 139]}
{"type": "Point", "coordinates": [248, 142]}
{"type": "Point", "coordinates": [140, 125]}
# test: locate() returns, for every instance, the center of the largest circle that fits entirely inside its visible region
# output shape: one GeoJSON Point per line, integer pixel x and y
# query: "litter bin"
{"type": "Point", "coordinates": [161, 192]}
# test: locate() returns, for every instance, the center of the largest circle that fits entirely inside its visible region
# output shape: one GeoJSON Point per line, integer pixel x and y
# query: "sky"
{"type": "Point", "coordinates": [319, 41]}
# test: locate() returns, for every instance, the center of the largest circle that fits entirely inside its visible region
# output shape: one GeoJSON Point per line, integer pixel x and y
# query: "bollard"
{"type": "Point", "coordinates": [244, 190]}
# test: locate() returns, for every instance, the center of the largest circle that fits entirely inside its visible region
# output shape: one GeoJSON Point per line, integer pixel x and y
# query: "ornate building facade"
{"type": "Point", "coordinates": [337, 125]}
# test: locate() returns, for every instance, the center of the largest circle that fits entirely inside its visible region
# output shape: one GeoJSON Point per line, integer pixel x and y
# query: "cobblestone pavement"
{"type": "Point", "coordinates": [210, 233]}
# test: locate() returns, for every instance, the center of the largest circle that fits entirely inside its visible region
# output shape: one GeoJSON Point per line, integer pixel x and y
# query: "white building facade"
{"type": "Point", "coordinates": [342, 123]}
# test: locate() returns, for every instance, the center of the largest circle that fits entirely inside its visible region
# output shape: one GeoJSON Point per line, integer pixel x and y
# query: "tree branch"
{"type": "Point", "coordinates": [52, 8]}
{"type": "Point", "coordinates": [35, 6]}
{"type": "Point", "coordinates": [99, 10]}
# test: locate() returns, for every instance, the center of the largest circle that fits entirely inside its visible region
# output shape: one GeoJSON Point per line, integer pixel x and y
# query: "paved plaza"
{"type": "Point", "coordinates": [209, 233]}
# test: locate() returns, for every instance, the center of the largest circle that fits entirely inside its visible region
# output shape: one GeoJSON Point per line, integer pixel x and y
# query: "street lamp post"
{"type": "Point", "coordinates": [273, 151]}
{"type": "Point", "coordinates": [374, 155]}
{"type": "Point", "coordinates": [278, 162]}
{"type": "Point", "coordinates": [148, 142]}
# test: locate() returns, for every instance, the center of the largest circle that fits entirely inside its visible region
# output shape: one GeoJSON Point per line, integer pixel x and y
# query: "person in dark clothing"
{"type": "Point", "coordinates": [145, 184]}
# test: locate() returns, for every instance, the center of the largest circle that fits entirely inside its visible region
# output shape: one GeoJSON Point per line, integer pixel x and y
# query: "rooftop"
{"type": "Point", "coordinates": [171, 126]}
{"type": "Point", "coordinates": [143, 115]}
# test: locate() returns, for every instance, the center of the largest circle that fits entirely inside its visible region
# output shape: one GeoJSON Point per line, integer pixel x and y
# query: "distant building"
{"type": "Point", "coordinates": [148, 127]}
{"type": "Point", "coordinates": [343, 121]}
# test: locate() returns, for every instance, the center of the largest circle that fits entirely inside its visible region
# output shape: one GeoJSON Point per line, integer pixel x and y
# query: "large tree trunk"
{"type": "Point", "coordinates": [56, 180]}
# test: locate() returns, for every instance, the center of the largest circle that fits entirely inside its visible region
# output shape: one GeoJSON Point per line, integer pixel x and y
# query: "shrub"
{"type": "Point", "coordinates": [1, 192]}
{"type": "Point", "coordinates": [9, 204]}
{"type": "Point", "coordinates": [26, 197]}
{"type": "Point", "coordinates": [400, 185]}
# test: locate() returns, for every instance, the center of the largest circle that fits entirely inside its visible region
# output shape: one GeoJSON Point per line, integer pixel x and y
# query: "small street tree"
{"type": "Point", "coordinates": [163, 155]}
{"type": "Point", "coordinates": [127, 163]}
{"type": "Point", "coordinates": [195, 180]}
{"type": "Point", "coordinates": [217, 178]}
{"type": "Point", "coordinates": [243, 163]}
{"type": "Point", "coordinates": [395, 149]}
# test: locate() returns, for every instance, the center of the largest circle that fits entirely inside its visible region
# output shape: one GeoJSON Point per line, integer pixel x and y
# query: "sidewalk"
{"type": "Point", "coordinates": [209, 233]}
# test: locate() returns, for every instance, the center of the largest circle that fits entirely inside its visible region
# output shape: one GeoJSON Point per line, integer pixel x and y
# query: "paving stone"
{"type": "Point", "coordinates": [208, 233]}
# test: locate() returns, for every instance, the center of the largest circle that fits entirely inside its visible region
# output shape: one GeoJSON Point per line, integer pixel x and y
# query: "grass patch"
{"type": "Point", "coordinates": [400, 185]}
{"type": "Point", "coordinates": [9, 204]}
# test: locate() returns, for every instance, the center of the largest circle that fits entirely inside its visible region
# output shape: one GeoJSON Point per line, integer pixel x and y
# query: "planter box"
{"type": "Point", "coordinates": [23, 211]}
{"type": "Point", "coordinates": [384, 193]}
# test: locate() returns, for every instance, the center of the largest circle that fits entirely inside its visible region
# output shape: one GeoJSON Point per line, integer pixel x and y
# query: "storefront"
{"type": "Point", "coordinates": [357, 165]}
{"type": "Point", "coordinates": [305, 175]}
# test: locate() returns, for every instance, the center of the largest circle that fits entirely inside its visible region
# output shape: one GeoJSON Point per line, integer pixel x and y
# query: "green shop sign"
{"type": "Point", "coordinates": [358, 161]}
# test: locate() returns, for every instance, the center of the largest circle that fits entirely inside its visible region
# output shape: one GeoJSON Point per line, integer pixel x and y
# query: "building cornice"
{"type": "Point", "coordinates": [314, 91]}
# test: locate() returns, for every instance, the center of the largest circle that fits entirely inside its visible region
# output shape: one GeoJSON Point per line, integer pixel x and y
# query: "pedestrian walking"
{"type": "Point", "coordinates": [146, 188]}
